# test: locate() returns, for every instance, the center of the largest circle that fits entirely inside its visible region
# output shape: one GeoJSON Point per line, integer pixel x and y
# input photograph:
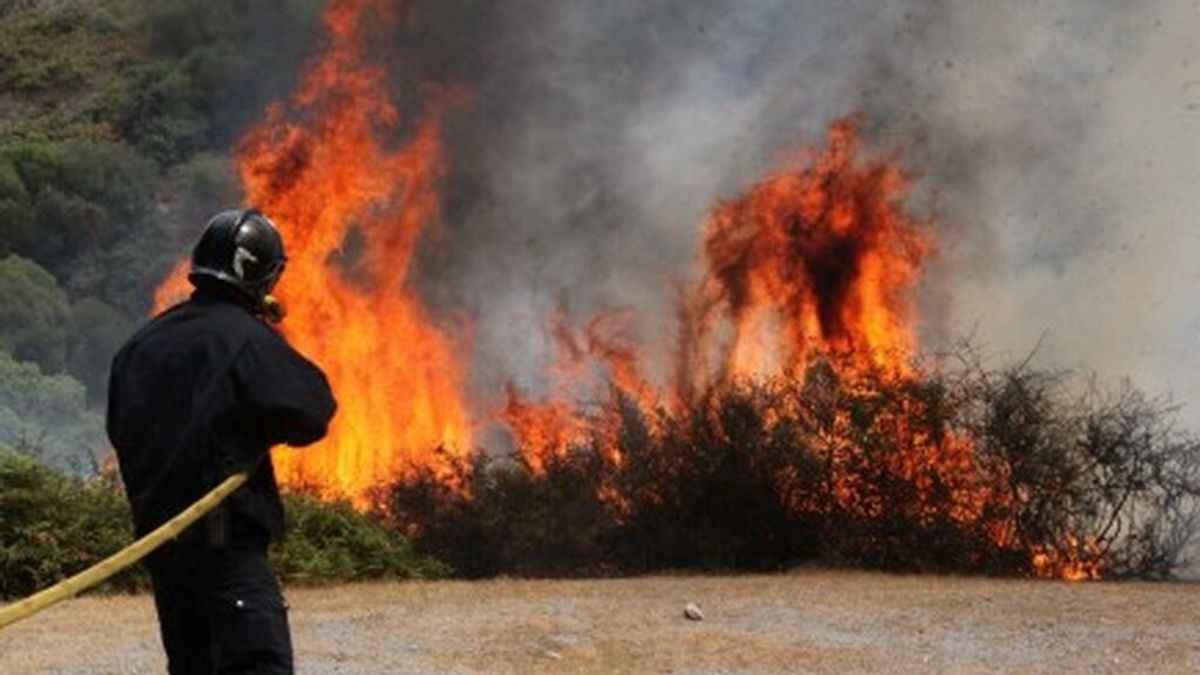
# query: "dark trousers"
{"type": "Point", "coordinates": [220, 611]}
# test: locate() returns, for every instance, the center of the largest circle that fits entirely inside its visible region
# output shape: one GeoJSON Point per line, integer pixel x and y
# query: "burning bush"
{"type": "Point", "coordinates": [1099, 481]}
{"type": "Point", "coordinates": [963, 470]}
{"type": "Point", "coordinates": [503, 518]}
{"type": "Point", "coordinates": [792, 424]}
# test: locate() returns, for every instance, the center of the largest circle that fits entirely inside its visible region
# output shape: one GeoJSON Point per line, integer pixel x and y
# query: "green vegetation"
{"type": "Point", "coordinates": [53, 526]}
{"type": "Point", "coordinates": [36, 313]}
{"type": "Point", "coordinates": [47, 416]}
{"type": "Point", "coordinates": [57, 59]}
{"type": "Point", "coordinates": [334, 542]}
{"type": "Point", "coordinates": [115, 127]}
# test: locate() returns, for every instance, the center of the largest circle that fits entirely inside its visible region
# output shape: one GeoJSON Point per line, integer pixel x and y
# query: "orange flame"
{"type": "Point", "coordinates": [819, 258]}
{"type": "Point", "coordinates": [816, 260]}
{"type": "Point", "coordinates": [351, 207]}
{"type": "Point", "coordinates": [544, 429]}
{"type": "Point", "coordinates": [1074, 559]}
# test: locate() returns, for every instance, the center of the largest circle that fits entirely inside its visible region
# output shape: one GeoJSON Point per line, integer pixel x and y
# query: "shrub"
{"type": "Point", "coordinates": [97, 331]}
{"type": "Point", "coordinates": [448, 523]}
{"type": "Point", "coordinates": [1108, 467]}
{"type": "Point", "coordinates": [34, 314]}
{"type": "Point", "coordinates": [334, 542]}
{"type": "Point", "coordinates": [54, 526]}
{"type": "Point", "coordinates": [959, 470]}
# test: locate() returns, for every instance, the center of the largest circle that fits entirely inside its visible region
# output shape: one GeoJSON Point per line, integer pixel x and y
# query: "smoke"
{"type": "Point", "coordinates": [1054, 142]}
{"type": "Point", "coordinates": [1067, 175]}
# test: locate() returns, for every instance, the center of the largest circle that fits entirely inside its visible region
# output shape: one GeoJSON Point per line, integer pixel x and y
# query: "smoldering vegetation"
{"type": "Point", "coordinates": [837, 470]}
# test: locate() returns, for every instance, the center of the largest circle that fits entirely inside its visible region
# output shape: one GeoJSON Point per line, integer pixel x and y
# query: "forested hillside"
{"type": "Point", "coordinates": [116, 123]}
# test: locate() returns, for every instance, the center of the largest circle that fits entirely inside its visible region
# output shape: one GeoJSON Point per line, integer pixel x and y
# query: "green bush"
{"type": "Point", "coordinates": [65, 199]}
{"type": "Point", "coordinates": [84, 211]}
{"type": "Point", "coordinates": [161, 110]}
{"type": "Point", "coordinates": [34, 314]}
{"type": "Point", "coordinates": [97, 331]}
{"type": "Point", "coordinates": [51, 49]}
{"type": "Point", "coordinates": [331, 541]}
{"type": "Point", "coordinates": [52, 526]}
{"type": "Point", "coordinates": [203, 83]}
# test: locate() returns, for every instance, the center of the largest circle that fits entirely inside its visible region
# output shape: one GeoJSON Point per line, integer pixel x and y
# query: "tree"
{"type": "Point", "coordinates": [97, 331]}
{"type": "Point", "coordinates": [46, 416]}
{"type": "Point", "coordinates": [34, 314]}
{"type": "Point", "coordinates": [16, 209]}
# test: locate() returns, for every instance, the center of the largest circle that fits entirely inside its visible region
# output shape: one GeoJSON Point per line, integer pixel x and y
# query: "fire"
{"type": "Point", "coordinates": [817, 259]}
{"type": "Point", "coordinates": [822, 259]}
{"type": "Point", "coordinates": [549, 428]}
{"type": "Point", "coordinates": [818, 263]}
{"type": "Point", "coordinates": [1075, 559]}
{"type": "Point", "coordinates": [351, 205]}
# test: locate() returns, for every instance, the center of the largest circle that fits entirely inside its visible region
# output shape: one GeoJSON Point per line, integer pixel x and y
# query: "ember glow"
{"type": "Point", "coordinates": [1072, 560]}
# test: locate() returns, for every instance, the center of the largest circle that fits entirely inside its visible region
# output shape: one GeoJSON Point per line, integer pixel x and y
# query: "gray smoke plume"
{"type": "Point", "coordinates": [1055, 141]}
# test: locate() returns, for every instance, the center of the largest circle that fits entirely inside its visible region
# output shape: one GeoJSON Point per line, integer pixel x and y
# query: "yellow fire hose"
{"type": "Point", "coordinates": [121, 559]}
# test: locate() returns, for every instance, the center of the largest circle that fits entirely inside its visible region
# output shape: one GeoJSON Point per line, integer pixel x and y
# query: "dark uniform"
{"type": "Point", "coordinates": [202, 392]}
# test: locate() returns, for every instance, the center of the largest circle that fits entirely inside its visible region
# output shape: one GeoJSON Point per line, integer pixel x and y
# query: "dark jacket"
{"type": "Point", "coordinates": [201, 392]}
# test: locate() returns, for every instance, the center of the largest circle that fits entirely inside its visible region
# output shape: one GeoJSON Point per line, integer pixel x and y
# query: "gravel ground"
{"type": "Point", "coordinates": [802, 622]}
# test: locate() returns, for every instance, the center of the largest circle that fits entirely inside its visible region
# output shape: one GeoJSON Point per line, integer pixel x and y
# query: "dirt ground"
{"type": "Point", "coordinates": [794, 623]}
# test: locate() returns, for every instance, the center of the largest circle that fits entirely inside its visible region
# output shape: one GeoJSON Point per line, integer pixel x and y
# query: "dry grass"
{"type": "Point", "coordinates": [804, 622]}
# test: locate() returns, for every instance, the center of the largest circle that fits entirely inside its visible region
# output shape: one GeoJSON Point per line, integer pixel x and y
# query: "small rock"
{"type": "Point", "coordinates": [552, 655]}
{"type": "Point", "coordinates": [691, 612]}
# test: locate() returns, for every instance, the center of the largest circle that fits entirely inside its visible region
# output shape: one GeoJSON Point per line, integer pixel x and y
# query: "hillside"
{"type": "Point", "coordinates": [116, 119]}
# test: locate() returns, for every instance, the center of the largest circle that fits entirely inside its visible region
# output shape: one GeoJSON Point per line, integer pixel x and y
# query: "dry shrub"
{"type": "Point", "coordinates": [961, 469]}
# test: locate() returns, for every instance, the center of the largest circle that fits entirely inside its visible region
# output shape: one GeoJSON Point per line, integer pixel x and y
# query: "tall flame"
{"type": "Point", "coordinates": [817, 259]}
{"type": "Point", "coordinates": [351, 205]}
{"type": "Point", "coordinates": [820, 258]}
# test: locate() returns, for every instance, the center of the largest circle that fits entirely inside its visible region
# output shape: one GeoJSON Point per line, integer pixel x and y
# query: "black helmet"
{"type": "Point", "coordinates": [240, 248]}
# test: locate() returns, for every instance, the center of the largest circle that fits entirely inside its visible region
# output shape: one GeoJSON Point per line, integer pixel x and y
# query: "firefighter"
{"type": "Point", "coordinates": [202, 392]}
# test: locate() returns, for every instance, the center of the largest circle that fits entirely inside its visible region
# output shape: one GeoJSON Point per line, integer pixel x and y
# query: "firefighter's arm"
{"type": "Point", "coordinates": [286, 395]}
